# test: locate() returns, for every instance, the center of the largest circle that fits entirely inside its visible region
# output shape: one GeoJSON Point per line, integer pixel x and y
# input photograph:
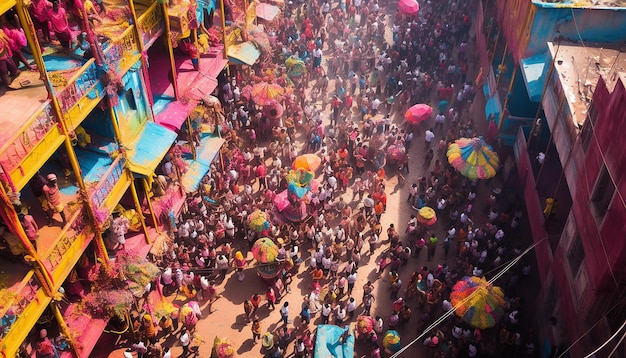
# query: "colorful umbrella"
{"type": "Point", "coordinates": [480, 304]}
{"type": "Point", "coordinates": [246, 92]}
{"type": "Point", "coordinates": [473, 158]}
{"type": "Point", "coordinates": [408, 7]}
{"type": "Point", "coordinates": [273, 110]}
{"type": "Point", "coordinates": [418, 113]}
{"type": "Point", "coordinates": [300, 177]}
{"type": "Point", "coordinates": [391, 341]}
{"type": "Point", "coordinates": [364, 324]}
{"type": "Point", "coordinates": [309, 162]}
{"type": "Point", "coordinates": [263, 92]}
{"type": "Point", "coordinates": [265, 250]}
{"type": "Point", "coordinates": [396, 152]}
{"type": "Point", "coordinates": [259, 221]}
{"type": "Point", "coordinates": [426, 216]}
{"type": "Point", "coordinates": [223, 348]}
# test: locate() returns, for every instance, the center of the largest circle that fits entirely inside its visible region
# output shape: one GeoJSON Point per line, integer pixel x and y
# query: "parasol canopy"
{"type": "Point", "coordinates": [473, 158]}
{"type": "Point", "coordinates": [295, 67]}
{"type": "Point", "coordinates": [391, 341]}
{"type": "Point", "coordinates": [265, 250]}
{"type": "Point", "coordinates": [273, 110]}
{"type": "Point", "coordinates": [309, 162]}
{"type": "Point", "coordinates": [426, 216]}
{"type": "Point", "coordinates": [263, 92]}
{"type": "Point", "coordinates": [418, 113]}
{"type": "Point", "coordinates": [408, 7]}
{"type": "Point", "coordinates": [246, 92]}
{"type": "Point", "coordinates": [480, 304]}
{"type": "Point", "coordinates": [259, 221]}
{"type": "Point", "coordinates": [364, 324]}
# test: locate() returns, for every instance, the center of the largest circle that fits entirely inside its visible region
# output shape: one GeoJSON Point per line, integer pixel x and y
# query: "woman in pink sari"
{"type": "Point", "coordinates": [60, 25]}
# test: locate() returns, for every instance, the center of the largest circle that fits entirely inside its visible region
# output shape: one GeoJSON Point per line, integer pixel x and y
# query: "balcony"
{"type": "Point", "coordinates": [123, 52]}
{"type": "Point", "coordinates": [149, 23]}
{"type": "Point", "coordinates": [67, 248]}
{"type": "Point", "coordinates": [21, 307]}
{"type": "Point", "coordinates": [108, 192]}
{"type": "Point", "coordinates": [30, 147]}
{"type": "Point", "coordinates": [81, 95]}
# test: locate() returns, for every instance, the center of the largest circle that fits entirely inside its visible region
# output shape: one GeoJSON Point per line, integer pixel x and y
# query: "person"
{"type": "Point", "coordinates": [185, 341]}
{"type": "Point", "coordinates": [248, 308]}
{"type": "Point", "coordinates": [428, 137]}
{"type": "Point", "coordinates": [30, 227]}
{"type": "Point", "coordinates": [44, 347]}
{"type": "Point", "coordinates": [351, 307]}
{"type": "Point", "coordinates": [59, 24]}
{"type": "Point", "coordinates": [256, 330]}
{"type": "Point", "coordinates": [305, 314]}
{"type": "Point", "coordinates": [271, 298]}
{"type": "Point", "coordinates": [6, 62]}
{"type": "Point", "coordinates": [368, 300]}
{"type": "Point", "coordinates": [255, 300]}
{"type": "Point", "coordinates": [119, 228]}
{"type": "Point", "coordinates": [326, 310]}
{"type": "Point", "coordinates": [53, 198]}
{"type": "Point", "coordinates": [284, 313]}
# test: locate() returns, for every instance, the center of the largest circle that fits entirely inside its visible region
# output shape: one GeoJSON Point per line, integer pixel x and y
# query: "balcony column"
{"type": "Point", "coordinates": [144, 62]}
{"type": "Point", "coordinates": [146, 188]}
{"type": "Point", "coordinates": [506, 100]}
{"type": "Point", "coordinates": [142, 220]}
{"type": "Point", "coordinates": [168, 34]}
{"type": "Point", "coordinates": [54, 307]}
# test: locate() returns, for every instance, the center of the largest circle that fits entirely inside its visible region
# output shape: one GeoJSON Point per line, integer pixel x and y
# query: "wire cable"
{"type": "Point", "coordinates": [450, 312]}
{"type": "Point", "coordinates": [607, 341]}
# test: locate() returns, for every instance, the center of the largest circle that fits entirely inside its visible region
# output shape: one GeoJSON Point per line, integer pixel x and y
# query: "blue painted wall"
{"type": "Point", "coordinates": [131, 121]}
{"type": "Point", "coordinates": [594, 25]}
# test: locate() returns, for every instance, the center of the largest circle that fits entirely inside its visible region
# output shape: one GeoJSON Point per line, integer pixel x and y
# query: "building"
{"type": "Point", "coordinates": [580, 251]}
{"type": "Point", "coordinates": [512, 65]}
{"type": "Point", "coordinates": [101, 119]}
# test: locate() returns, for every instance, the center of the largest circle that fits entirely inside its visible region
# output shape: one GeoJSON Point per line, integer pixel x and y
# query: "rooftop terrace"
{"type": "Point", "coordinates": [579, 68]}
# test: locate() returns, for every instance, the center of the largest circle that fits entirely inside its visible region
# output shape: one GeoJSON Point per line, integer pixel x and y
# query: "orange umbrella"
{"type": "Point", "coordinates": [309, 162]}
{"type": "Point", "coordinates": [263, 93]}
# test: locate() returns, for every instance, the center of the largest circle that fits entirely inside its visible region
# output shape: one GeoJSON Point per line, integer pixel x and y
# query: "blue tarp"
{"type": "Point", "coordinates": [149, 148]}
{"type": "Point", "coordinates": [328, 344]}
{"type": "Point", "coordinates": [206, 152]}
{"type": "Point", "coordinates": [533, 69]}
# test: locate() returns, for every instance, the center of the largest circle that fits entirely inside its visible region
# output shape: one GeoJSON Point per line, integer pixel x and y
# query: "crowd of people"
{"type": "Point", "coordinates": [379, 64]}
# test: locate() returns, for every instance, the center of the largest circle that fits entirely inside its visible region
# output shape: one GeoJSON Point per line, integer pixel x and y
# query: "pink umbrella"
{"type": "Point", "coordinates": [408, 7]}
{"type": "Point", "coordinates": [281, 201]}
{"type": "Point", "coordinates": [418, 113]}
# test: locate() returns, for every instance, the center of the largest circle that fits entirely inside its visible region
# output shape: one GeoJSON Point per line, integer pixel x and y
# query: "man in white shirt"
{"type": "Point", "coordinates": [428, 137]}
{"type": "Point", "coordinates": [440, 119]}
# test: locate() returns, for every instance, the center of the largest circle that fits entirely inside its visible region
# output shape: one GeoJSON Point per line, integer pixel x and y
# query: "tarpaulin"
{"type": "Point", "coordinates": [174, 114]}
{"type": "Point", "coordinates": [266, 11]}
{"type": "Point", "coordinates": [149, 148]}
{"type": "Point", "coordinates": [207, 151]}
{"type": "Point", "coordinates": [244, 53]}
{"type": "Point", "coordinates": [328, 343]}
{"type": "Point", "coordinates": [533, 69]}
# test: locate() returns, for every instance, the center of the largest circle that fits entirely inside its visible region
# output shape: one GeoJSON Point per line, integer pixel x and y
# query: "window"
{"type": "Point", "coordinates": [603, 193]}
{"type": "Point", "coordinates": [130, 99]}
{"type": "Point", "coordinates": [576, 255]}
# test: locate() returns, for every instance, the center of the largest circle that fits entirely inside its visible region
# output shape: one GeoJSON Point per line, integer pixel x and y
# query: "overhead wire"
{"type": "Point", "coordinates": [466, 299]}
{"type": "Point", "coordinates": [606, 342]}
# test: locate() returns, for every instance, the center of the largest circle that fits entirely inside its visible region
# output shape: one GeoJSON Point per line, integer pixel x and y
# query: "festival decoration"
{"type": "Point", "coordinates": [391, 341]}
{"type": "Point", "coordinates": [478, 302]}
{"type": "Point", "coordinates": [418, 113]}
{"type": "Point", "coordinates": [263, 93]}
{"type": "Point", "coordinates": [223, 348]}
{"type": "Point", "coordinates": [473, 158]}
{"type": "Point", "coordinates": [265, 250]}
{"type": "Point", "coordinates": [426, 216]}
{"type": "Point", "coordinates": [309, 162]}
{"type": "Point", "coordinates": [259, 221]}
{"type": "Point", "coordinates": [364, 324]}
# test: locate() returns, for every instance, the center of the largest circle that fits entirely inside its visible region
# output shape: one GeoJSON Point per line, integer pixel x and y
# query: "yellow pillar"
{"type": "Point", "coordinates": [133, 191]}
{"type": "Point", "coordinates": [33, 44]}
{"type": "Point", "coordinates": [506, 100]}
{"type": "Point", "coordinates": [149, 201]}
{"type": "Point", "coordinates": [168, 34]}
{"type": "Point", "coordinates": [506, 47]}
{"type": "Point", "coordinates": [63, 327]}
{"type": "Point", "coordinates": [191, 142]}
{"type": "Point", "coordinates": [224, 29]}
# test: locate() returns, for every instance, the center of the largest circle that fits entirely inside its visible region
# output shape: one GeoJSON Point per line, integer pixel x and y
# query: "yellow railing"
{"type": "Point", "coordinates": [64, 242]}
{"type": "Point", "coordinates": [123, 52]}
{"type": "Point", "coordinates": [78, 86]}
{"type": "Point", "coordinates": [100, 192]}
{"type": "Point", "coordinates": [150, 24]}
{"type": "Point", "coordinates": [33, 144]}
{"type": "Point", "coordinates": [20, 314]}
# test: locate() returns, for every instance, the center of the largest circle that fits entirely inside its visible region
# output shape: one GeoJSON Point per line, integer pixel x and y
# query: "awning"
{"type": "Point", "coordinates": [6, 5]}
{"type": "Point", "coordinates": [244, 53]}
{"type": "Point", "coordinates": [266, 11]}
{"type": "Point", "coordinates": [533, 69]}
{"type": "Point", "coordinates": [151, 145]}
{"type": "Point", "coordinates": [207, 151]}
{"type": "Point", "coordinates": [174, 114]}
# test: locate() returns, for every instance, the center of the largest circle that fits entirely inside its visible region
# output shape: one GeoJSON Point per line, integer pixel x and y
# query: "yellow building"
{"type": "Point", "coordinates": [88, 116]}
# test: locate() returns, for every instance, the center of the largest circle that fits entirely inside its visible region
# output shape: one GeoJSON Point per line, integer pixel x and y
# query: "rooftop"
{"type": "Point", "coordinates": [579, 68]}
{"type": "Point", "coordinates": [581, 3]}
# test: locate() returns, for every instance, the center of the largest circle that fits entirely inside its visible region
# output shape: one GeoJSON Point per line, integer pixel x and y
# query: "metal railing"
{"type": "Point", "coordinates": [150, 23]}
{"type": "Point", "coordinates": [13, 304]}
{"type": "Point", "coordinates": [119, 55]}
{"type": "Point", "coordinates": [63, 243]}
{"type": "Point", "coordinates": [101, 192]}
{"type": "Point", "coordinates": [23, 142]}
{"type": "Point", "coordinates": [78, 86]}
